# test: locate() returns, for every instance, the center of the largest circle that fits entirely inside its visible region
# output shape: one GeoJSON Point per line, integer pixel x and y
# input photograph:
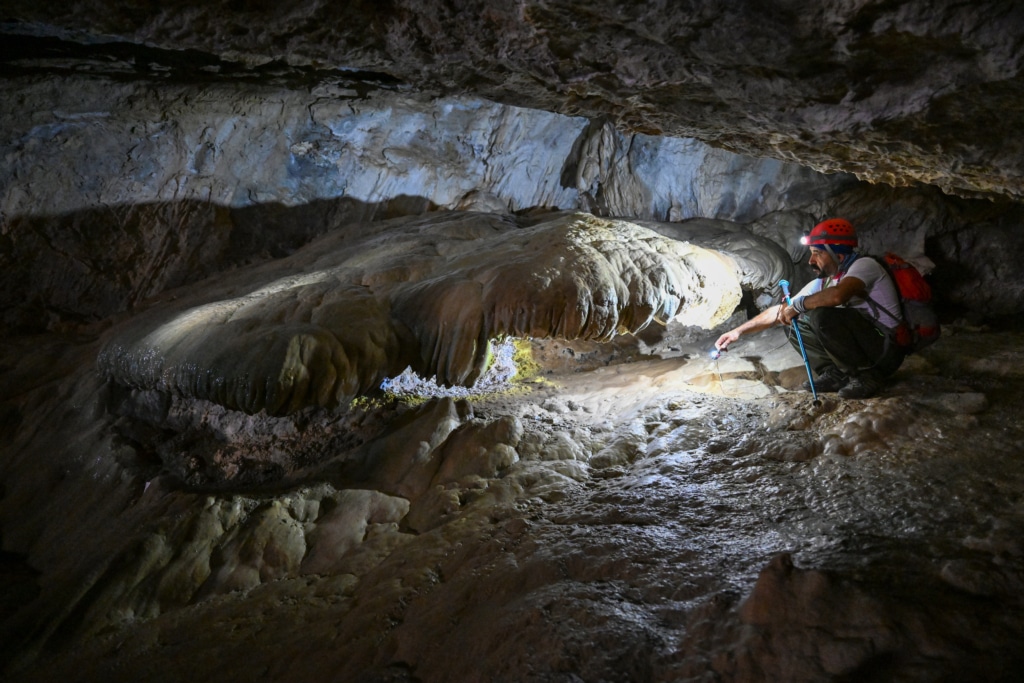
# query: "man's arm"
{"type": "Point", "coordinates": [762, 321]}
{"type": "Point", "coordinates": [781, 314]}
{"type": "Point", "coordinates": [830, 297]}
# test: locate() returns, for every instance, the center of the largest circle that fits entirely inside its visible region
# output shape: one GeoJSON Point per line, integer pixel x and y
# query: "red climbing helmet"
{"type": "Point", "coordinates": [836, 231]}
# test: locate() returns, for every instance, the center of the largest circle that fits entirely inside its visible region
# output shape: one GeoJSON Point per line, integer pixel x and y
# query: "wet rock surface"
{"type": "Point", "coordinates": [665, 518]}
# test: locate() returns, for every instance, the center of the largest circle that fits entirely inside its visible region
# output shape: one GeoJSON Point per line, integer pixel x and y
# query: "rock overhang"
{"type": "Point", "coordinates": [333, 320]}
{"type": "Point", "coordinates": [904, 93]}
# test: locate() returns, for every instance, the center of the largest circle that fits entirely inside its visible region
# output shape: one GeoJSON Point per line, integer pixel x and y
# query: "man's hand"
{"type": "Point", "coordinates": [728, 338]}
{"type": "Point", "coordinates": [788, 313]}
{"type": "Point", "coordinates": [769, 317]}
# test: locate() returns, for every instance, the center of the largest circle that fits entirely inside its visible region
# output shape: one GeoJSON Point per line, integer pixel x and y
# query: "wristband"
{"type": "Point", "coordinates": [798, 304]}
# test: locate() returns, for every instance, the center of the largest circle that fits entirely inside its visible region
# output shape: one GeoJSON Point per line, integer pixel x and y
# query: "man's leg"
{"type": "Point", "coordinates": [817, 356]}
{"type": "Point", "coordinates": [828, 377]}
{"type": "Point", "coordinates": [849, 339]}
{"type": "Point", "coordinates": [856, 347]}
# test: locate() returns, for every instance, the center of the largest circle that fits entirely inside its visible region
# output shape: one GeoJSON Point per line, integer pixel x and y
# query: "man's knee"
{"type": "Point", "coordinates": [827, 322]}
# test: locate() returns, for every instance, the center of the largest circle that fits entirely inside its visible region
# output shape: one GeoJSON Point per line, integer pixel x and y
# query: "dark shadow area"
{"type": "Point", "coordinates": [22, 54]}
{"type": "Point", "coordinates": [61, 272]}
{"type": "Point", "coordinates": [18, 588]}
{"type": "Point", "coordinates": [975, 274]}
{"type": "Point", "coordinates": [977, 264]}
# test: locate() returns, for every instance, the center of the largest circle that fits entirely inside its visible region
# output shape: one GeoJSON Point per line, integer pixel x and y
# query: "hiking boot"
{"type": "Point", "coordinates": [830, 379]}
{"type": "Point", "coordinates": [864, 386]}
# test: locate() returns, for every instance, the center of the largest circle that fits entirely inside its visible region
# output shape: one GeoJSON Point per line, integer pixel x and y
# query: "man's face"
{"type": "Point", "coordinates": [821, 263]}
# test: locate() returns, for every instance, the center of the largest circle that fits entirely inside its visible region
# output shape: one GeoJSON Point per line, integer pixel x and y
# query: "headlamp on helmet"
{"type": "Point", "coordinates": [833, 231]}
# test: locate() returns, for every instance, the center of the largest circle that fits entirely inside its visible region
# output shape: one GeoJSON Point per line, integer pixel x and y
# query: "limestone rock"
{"type": "Point", "coordinates": [332, 321]}
{"type": "Point", "coordinates": [898, 93]}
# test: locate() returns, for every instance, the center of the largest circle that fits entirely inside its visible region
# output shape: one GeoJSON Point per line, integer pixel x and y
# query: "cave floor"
{"type": "Point", "coordinates": [671, 518]}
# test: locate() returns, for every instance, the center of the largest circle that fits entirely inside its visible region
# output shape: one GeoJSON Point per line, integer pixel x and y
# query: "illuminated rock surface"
{"type": "Point", "coordinates": [332, 321]}
{"type": "Point", "coordinates": [128, 191]}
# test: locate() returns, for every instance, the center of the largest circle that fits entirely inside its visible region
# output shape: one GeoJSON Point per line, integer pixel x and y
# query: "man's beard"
{"type": "Point", "coordinates": [817, 272]}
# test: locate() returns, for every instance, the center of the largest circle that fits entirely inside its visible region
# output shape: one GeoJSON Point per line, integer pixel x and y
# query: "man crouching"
{"type": "Point", "coordinates": [847, 316]}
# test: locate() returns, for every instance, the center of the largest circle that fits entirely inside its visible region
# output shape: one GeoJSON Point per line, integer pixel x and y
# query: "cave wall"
{"type": "Point", "coordinates": [251, 128]}
{"type": "Point", "coordinates": [113, 191]}
{"type": "Point", "coordinates": [77, 143]}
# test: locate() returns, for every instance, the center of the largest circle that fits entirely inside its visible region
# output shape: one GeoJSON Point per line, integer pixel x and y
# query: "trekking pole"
{"type": "Point", "coordinates": [800, 340]}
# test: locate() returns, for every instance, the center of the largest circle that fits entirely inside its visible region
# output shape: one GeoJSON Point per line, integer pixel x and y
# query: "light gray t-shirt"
{"type": "Point", "coordinates": [886, 303]}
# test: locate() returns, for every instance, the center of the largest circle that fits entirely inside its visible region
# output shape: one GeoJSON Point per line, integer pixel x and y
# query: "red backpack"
{"type": "Point", "coordinates": [920, 326]}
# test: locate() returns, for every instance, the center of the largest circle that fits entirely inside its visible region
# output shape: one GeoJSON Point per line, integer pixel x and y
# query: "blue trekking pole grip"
{"type": "Point", "coordinates": [800, 340]}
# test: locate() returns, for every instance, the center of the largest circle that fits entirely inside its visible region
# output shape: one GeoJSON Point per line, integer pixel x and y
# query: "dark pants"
{"type": "Point", "coordinates": [846, 338]}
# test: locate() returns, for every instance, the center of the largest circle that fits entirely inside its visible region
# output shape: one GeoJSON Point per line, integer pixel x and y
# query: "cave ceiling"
{"type": "Point", "coordinates": [894, 92]}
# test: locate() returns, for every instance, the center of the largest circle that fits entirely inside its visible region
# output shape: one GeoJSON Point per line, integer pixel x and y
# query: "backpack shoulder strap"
{"type": "Point", "coordinates": [875, 306]}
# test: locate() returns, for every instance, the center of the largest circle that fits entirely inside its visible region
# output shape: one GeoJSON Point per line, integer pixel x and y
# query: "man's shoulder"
{"type": "Point", "coordinates": [866, 266]}
{"type": "Point", "coordinates": [867, 261]}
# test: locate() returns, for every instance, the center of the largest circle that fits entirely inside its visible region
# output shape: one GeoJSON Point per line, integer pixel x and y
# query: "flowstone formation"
{"type": "Point", "coordinates": [333, 320]}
